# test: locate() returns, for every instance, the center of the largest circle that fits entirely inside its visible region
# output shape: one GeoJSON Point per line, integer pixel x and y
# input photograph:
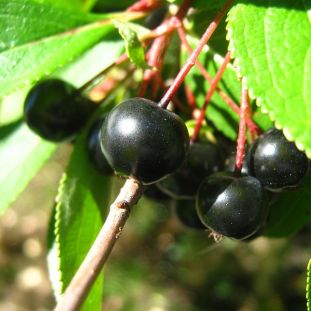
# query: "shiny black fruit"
{"type": "Point", "coordinates": [55, 111]}
{"type": "Point", "coordinates": [95, 153]}
{"type": "Point", "coordinates": [202, 160]}
{"type": "Point", "coordinates": [233, 206]}
{"type": "Point", "coordinates": [141, 139]}
{"type": "Point", "coordinates": [187, 215]}
{"type": "Point", "coordinates": [276, 162]}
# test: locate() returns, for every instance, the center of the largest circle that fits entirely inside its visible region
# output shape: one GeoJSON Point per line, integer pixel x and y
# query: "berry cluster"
{"type": "Point", "coordinates": [140, 139]}
{"type": "Point", "coordinates": [234, 204]}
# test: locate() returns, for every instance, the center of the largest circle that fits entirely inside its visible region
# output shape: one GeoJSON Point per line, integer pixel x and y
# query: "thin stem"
{"type": "Point", "coordinates": [91, 266]}
{"type": "Point", "coordinates": [209, 95]}
{"type": "Point", "coordinates": [158, 48]}
{"type": "Point", "coordinates": [176, 102]}
{"type": "Point", "coordinates": [240, 150]}
{"type": "Point", "coordinates": [190, 97]}
{"type": "Point", "coordinates": [154, 55]}
{"type": "Point", "coordinates": [193, 57]}
{"type": "Point", "coordinates": [144, 6]}
{"type": "Point", "coordinates": [253, 128]}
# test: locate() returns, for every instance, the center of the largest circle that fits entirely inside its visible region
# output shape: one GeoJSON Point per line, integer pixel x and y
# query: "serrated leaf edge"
{"type": "Point", "coordinates": [308, 287]}
{"type": "Point", "coordinates": [258, 100]}
{"type": "Point", "coordinates": [58, 214]}
{"type": "Point", "coordinates": [94, 25]}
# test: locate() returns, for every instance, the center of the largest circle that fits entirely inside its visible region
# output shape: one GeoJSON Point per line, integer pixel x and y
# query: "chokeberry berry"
{"type": "Point", "coordinates": [143, 140]}
{"type": "Point", "coordinates": [276, 162]}
{"type": "Point", "coordinates": [55, 111]}
{"type": "Point", "coordinates": [202, 160]}
{"type": "Point", "coordinates": [233, 206]}
{"type": "Point", "coordinates": [95, 153]}
{"type": "Point", "coordinates": [187, 215]}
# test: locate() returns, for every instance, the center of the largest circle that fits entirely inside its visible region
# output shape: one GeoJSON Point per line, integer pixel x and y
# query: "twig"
{"type": "Point", "coordinates": [88, 271]}
{"type": "Point", "coordinates": [193, 57]}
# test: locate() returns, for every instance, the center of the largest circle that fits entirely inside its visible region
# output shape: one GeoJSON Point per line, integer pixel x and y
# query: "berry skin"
{"type": "Point", "coordinates": [202, 160]}
{"type": "Point", "coordinates": [276, 162]}
{"type": "Point", "coordinates": [141, 139]}
{"type": "Point", "coordinates": [95, 153]}
{"type": "Point", "coordinates": [187, 215]}
{"type": "Point", "coordinates": [55, 111]}
{"type": "Point", "coordinates": [233, 206]}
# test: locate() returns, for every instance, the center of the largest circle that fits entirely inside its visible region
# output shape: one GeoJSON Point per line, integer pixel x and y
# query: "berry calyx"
{"type": "Point", "coordinates": [233, 206]}
{"type": "Point", "coordinates": [143, 140]}
{"type": "Point", "coordinates": [276, 162]}
{"type": "Point", "coordinates": [95, 153]}
{"type": "Point", "coordinates": [55, 111]}
{"type": "Point", "coordinates": [202, 160]}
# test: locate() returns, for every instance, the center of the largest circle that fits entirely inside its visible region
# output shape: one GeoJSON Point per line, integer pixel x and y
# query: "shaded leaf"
{"type": "Point", "coordinates": [309, 286]}
{"type": "Point", "coordinates": [22, 154]}
{"type": "Point", "coordinates": [290, 211]}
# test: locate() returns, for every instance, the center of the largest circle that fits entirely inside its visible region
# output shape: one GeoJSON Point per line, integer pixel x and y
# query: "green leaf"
{"type": "Point", "coordinates": [36, 39]}
{"type": "Point", "coordinates": [22, 154]}
{"type": "Point", "coordinates": [91, 62]}
{"type": "Point", "coordinates": [82, 201]}
{"type": "Point", "coordinates": [290, 211]}
{"type": "Point", "coordinates": [67, 4]}
{"type": "Point", "coordinates": [309, 286]}
{"type": "Point", "coordinates": [133, 46]}
{"type": "Point", "coordinates": [270, 41]}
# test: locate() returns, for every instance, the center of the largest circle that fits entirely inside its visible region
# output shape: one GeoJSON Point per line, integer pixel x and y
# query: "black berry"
{"type": "Point", "coordinates": [95, 153]}
{"type": "Point", "coordinates": [141, 139]}
{"type": "Point", "coordinates": [276, 162]}
{"type": "Point", "coordinates": [187, 215]}
{"type": "Point", "coordinates": [55, 111]}
{"type": "Point", "coordinates": [233, 206]}
{"type": "Point", "coordinates": [202, 160]}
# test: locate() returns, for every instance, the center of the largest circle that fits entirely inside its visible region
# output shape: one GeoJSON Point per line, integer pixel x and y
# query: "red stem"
{"type": "Point", "coordinates": [190, 97]}
{"type": "Point", "coordinates": [254, 130]}
{"type": "Point", "coordinates": [240, 150]}
{"type": "Point", "coordinates": [154, 56]}
{"type": "Point", "coordinates": [177, 103]}
{"type": "Point", "coordinates": [193, 57]}
{"type": "Point", "coordinates": [144, 6]}
{"type": "Point", "coordinates": [209, 95]}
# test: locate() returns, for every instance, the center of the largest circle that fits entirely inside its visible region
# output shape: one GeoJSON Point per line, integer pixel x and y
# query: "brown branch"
{"type": "Point", "coordinates": [91, 266]}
